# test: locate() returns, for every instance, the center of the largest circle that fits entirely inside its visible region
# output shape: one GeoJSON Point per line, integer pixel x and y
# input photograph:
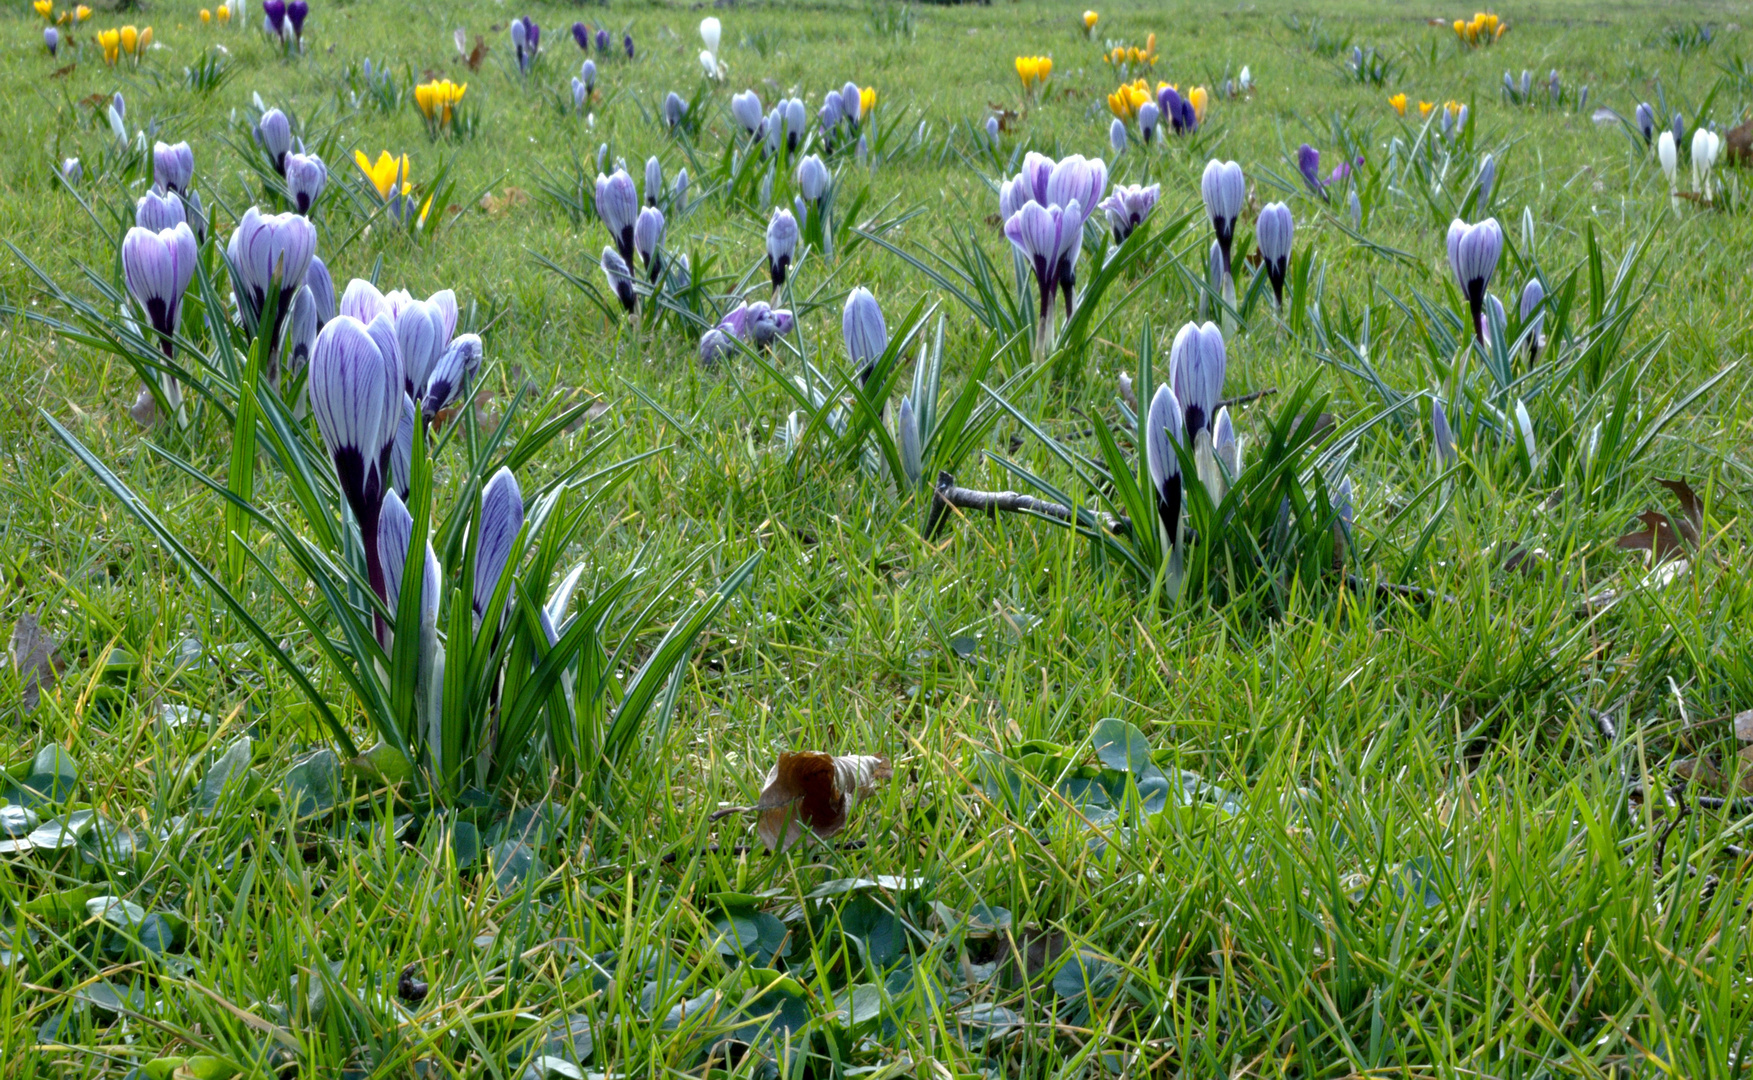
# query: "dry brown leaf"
{"type": "Point", "coordinates": [1657, 536]}
{"type": "Point", "coordinates": [477, 54]}
{"type": "Point", "coordinates": [498, 206]}
{"type": "Point", "coordinates": [1740, 144]}
{"type": "Point", "coordinates": [1744, 726]}
{"type": "Point", "coordinates": [37, 656]}
{"type": "Point", "coordinates": [814, 791]}
{"type": "Point", "coordinates": [1691, 519]}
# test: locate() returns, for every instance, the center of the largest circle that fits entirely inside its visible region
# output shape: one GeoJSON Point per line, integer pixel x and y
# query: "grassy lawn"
{"type": "Point", "coordinates": [1396, 750]}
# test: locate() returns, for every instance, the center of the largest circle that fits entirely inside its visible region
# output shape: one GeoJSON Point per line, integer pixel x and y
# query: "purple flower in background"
{"type": "Point", "coordinates": [627, 43]}
{"type": "Point", "coordinates": [781, 245]}
{"type": "Point", "coordinates": [617, 203]}
{"type": "Point", "coordinates": [1148, 115]}
{"type": "Point", "coordinates": [829, 114]}
{"type": "Point", "coordinates": [295, 14]}
{"type": "Point", "coordinates": [647, 237]}
{"type": "Point", "coordinates": [653, 180]}
{"type": "Point", "coordinates": [520, 45]}
{"type": "Point", "coordinates": [52, 40]}
{"type": "Point", "coordinates": [602, 41]}
{"type": "Point", "coordinates": [356, 397]}
{"type": "Point", "coordinates": [715, 346]}
{"type": "Point", "coordinates": [795, 119]}
{"type": "Point", "coordinates": [306, 176]}
{"type": "Point", "coordinates": [581, 34]}
{"type": "Point", "coordinates": [1127, 208]}
{"type": "Point", "coordinates": [1646, 122]}
{"type": "Point", "coordinates": [620, 277]}
{"type": "Point", "coordinates": [1533, 295]}
{"type": "Point", "coordinates": [156, 213]}
{"type": "Point", "coordinates": [501, 521]}
{"type": "Point", "coordinates": [274, 135]}
{"type": "Point", "coordinates": [745, 108]}
{"type": "Point", "coordinates": [1473, 254]}
{"type": "Point", "coordinates": [1116, 134]}
{"type": "Point", "coordinates": [1196, 369]}
{"type": "Point", "coordinates": [71, 171]}
{"type": "Point", "coordinates": [1224, 190]}
{"type": "Point", "coordinates": [1274, 231]}
{"type": "Point", "coordinates": [1308, 162]}
{"type": "Point", "coordinates": [157, 267]}
{"type": "Point", "coordinates": [173, 167]}
{"type": "Point", "coordinates": [675, 110]}
{"type": "Point", "coordinates": [274, 12]}
{"type": "Point", "coordinates": [261, 247]}
{"type": "Point", "coordinates": [812, 179]}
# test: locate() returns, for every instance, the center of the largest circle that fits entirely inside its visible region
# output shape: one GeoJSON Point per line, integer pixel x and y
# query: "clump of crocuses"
{"type": "Point", "coordinates": [1044, 207]}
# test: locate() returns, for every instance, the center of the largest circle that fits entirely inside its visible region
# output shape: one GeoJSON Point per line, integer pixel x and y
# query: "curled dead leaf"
{"type": "Point", "coordinates": [37, 656]}
{"type": "Point", "coordinates": [813, 791]}
{"type": "Point", "coordinates": [1664, 535]}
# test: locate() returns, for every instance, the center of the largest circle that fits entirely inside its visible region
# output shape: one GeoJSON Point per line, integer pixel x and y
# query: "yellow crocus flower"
{"type": "Point", "coordinates": [1399, 103]}
{"type": "Point", "coordinates": [130, 39]}
{"type": "Point", "coordinates": [1089, 20]}
{"type": "Point", "coordinates": [866, 100]}
{"type": "Point", "coordinates": [206, 16]}
{"type": "Point", "coordinates": [1150, 47]}
{"type": "Point", "coordinates": [223, 12]}
{"type": "Point", "coordinates": [1424, 108]}
{"type": "Point", "coordinates": [81, 13]}
{"type": "Point", "coordinates": [111, 42]}
{"type": "Point", "coordinates": [45, 8]}
{"type": "Point", "coordinates": [1461, 29]}
{"type": "Point", "coordinates": [1197, 97]}
{"type": "Point", "coordinates": [383, 172]}
{"type": "Point", "coordinates": [144, 42]}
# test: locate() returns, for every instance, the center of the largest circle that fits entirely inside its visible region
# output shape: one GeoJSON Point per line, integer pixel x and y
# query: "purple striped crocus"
{"type": "Point", "coordinates": [173, 167]}
{"type": "Point", "coordinates": [1047, 238]}
{"type": "Point", "coordinates": [864, 332]}
{"type": "Point", "coordinates": [781, 245]}
{"type": "Point", "coordinates": [1127, 208]}
{"type": "Point", "coordinates": [322, 290]}
{"type": "Point", "coordinates": [501, 521]}
{"type": "Point", "coordinates": [1224, 191]}
{"type": "Point", "coordinates": [274, 135]}
{"type": "Point", "coordinates": [620, 277]}
{"type": "Point", "coordinates": [156, 213]}
{"type": "Point", "coordinates": [306, 176]}
{"type": "Point", "coordinates": [1162, 433]}
{"type": "Point", "coordinates": [157, 267]}
{"type": "Point", "coordinates": [1196, 369]}
{"type": "Point", "coordinates": [1308, 162]}
{"type": "Point", "coordinates": [1274, 231]}
{"type": "Point", "coordinates": [450, 377]}
{"type": "Point", "coordinates": [617, 203]}
{"type": "Point", "coordinates": [261, 247]}
{"type": "Point", "coordinates": [1473, 254]}
{"type": "Point", "coordinates": [356, 397]}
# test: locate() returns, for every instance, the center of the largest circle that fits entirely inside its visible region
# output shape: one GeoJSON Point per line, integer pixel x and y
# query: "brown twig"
{"type": "Point", "coordinates": [1012, 502]}
{"type": "Point", "coordinates": [1244, 399]}
{"type": "Point", "coordinates": [1394, 589]}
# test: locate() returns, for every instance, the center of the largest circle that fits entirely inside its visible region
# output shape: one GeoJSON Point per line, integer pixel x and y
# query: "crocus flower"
{"type": "Point", "coordinates": [1473, 254]}
{"type": "Point", "coordinates": [1224, 191]}
{"type": "Point", "coordinates": [1048, 239]}
{"type": "Point", "coordinates": [627, 43]}
{"type": "Point", "coordinates": [501, 520]}
{"type": "Point", "coordinates": [262, 246]}
{"type": "Point", "coordinates": [679, 188]}
{"type": "Point", "coordinates": [51, 40]}
{"type": "Point", "coordinates": [675, 110]}
{"type": "Point", "coordinates": [580, 93]}
{"type": "Point", "coordinates": [1533, 293]}
{"type": "Point", "coordinates": [617, 203]}
{"type": "Point", "coordinates": [1525, 424]}
{"type": "Point", "coordinates": [992, 129]}
{"type": "Point", "coordinates": [812, 179]}
{"type": "Point", "coordinates": [587, 72]}
{"type": "Point", "coordinates": [1077, 179]}
{"type": "Point", "coordinates": [774, 133]}
{"type": "Point", "coordinates": [653, 181]}
{"type": "Point", "coordinates": [274, 135]}
{"type": "Point", "coordinates": [1442, 438]}
{"type": "Point", "coordinates": [620, 276]}
{"type": "Point", "coordinates": [156, 213]}
{"type": "Point", "coordinates": [781, 245]}
{"type": "Point", "coordinates": [71, 171]}
{"type": "Point", "coordinates": [1705, 144]}
{"type": "Point", "coordinates": [1668, 154]}
{"type": "Point", "coordinates": [1162, 433]}
{"type": "Point", "coordinates": [715, 346]}
{"type": "Point", "coordinates": [745, 108]}
{"type": "Point", "coordinates": [173, 167]}
{"type": "Point", "coordinates": [295, 14]}
{"type": "Point", "coordinates": [451, 375]}
{"type": "Point", "coordinates": [306, 176]}
{"type": "Point", "coordinates": [907, 440]}
{"type": "Point", "coordinates": [322, 290]}
{"type": "Point", "coordinates": [301, 331]}
{"type": "Point", "coordinates": [709, 65]}
{"type": "Point", "coordinates": [355, 389]}
{"type": "Point", "coordinates": [157, 267]}
{"type": "Point", "coordinates": [852, 103]}
{"type": "Point", "coordinates": [829, 114]}
{"type": "Point", "coordinates": [1646, 121]}
{"type": "Point", "coordinates": [1224, 444]}
{"type": "Point", "coordinates": [1127, 208]}
{"type": "Point", "coordinates": [1116, 134]}
{"type": "Point", "coordinates": [581, 35]}
{"type": "Point", "coordinates": [795, 118]}
{"type": "Point", "coordinates": [863, 329]}
{"type": "Point", "coordinates": [1553, 89]}
{"type": "Point", "coordinates": [421, 340]}
{"type": "Point", "coordinates": [1308, 162]}
{"type": "Point", "coordinates": [1196, 369]}
{"type": "Point", "coordinates": [647, 235]}
{"type": "Point", "coordinates": [274, 17]}
{"type": "Point", "coordinates": [1274, 231]}
{"type": "Point", "coordinates": [1679, 128]}
{"type": "Point", "coordinates": [603, 41]}
{"type": "Point", "coordinates": [1487, 180]}
{"type": "Point", "coordinates": [1148, 115]}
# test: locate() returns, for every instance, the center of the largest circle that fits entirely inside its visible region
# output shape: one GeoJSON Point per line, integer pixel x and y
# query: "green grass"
{"type": "Point", "coordinates": [1399, 838]}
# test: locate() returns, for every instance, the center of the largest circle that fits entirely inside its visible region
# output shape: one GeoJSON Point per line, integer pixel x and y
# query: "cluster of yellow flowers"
{"type": "Point", "coordinates": [1124, 55]}
{"type": "Point", "coordinates": [128, 41]}
{"type": "Point", "coordinates": [1482, 29]}
{"type": "Point", "coordinates": [1125, 101]}
{"type": "Point", "coordinates": [223, 11]}
{"type": "Point", "coordinates": [1034, 71]}
{"type": "Point", "coordinates": [437, 98]}
{"type": "Point", "coordinates": [1399, 102]}
{"type": "Point", "coordinates": [46, 8]}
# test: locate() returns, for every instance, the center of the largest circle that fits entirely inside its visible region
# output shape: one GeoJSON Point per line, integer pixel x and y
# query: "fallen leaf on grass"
{"type": "Point", "coordinates": [37, 656]}
{"type": "Point", "coordinates": [1744, 726]}
{"type": "Point", "coordinates": [1665, 536]}
{"type": "Point", "coordinates": [497, 206]}
{"type": "Point", "coordinates": [814, 791]}
{"type": "Point", "coordinates": [1704, 773]}
{"type": "Point", "coordinates": [477, 54]}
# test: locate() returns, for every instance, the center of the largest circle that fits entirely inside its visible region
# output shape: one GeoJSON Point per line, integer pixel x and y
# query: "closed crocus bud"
{"type": "Point", "coordinates": [781, 245]}
{"type": "Point", "coordinates": [715, 346]}
{"type": "Point", "coordinates": [1224, 445]}
{"type": "Point", "coordinates": [1116, 134]}
{"type": "Point", "coordinates": [394, 530]}
{"type": "Point", "coordinates": [745, 108]}
{"type": "Point", "coordinates": [865, 333]}
{"type": "Point", "coordinates": [520, 39]}
{"type": "Point", "coordinates": [51, 40]}
{"type": "Point", "coordinates": [603, 41]}
{"type": "Point", "coordinates": [157, 267]}
{"type": "Point", "coordinates": [992, 130]}
{"type": "Point", "coordinates": [501, 520]}
{"type": "Point", "coordinates": [260, 246]}
{"type": "Point", "coordinates": [1162, 434]}
{"type": "Point", "coordinates": [1224, 191]}
{"type": "Point", "coordinates": [296, 13]}
{"type": "Point", "coordinates": [679, 188]}
{"type": "Point", "coordinates": [301, 331]}
{"type": "Point", "coordinates": [1148, 115]}
{"type": "Point", "coordinates": [274, 16]}
{"type": "Point", "coordinates": [773, 135]}
{"type": "Point", "coordinates": [1646, 121]}
{"type": "Point", "coordinates": [647, 235]}
{"type": "Point", "coordinates": [1487, 180]}
{"type": "Point", "coordinates": [653, 181]}
{"type": "Point", "coordinates": [1679, 128]}
{"type": "Point", "coordinates": [71, 170]}
{"type": "Point", "coordinates": [1473, 254]}
{"type": "Point", "coordinates": [1667, 152]}
{"type": "Point", "coordinates": [617, 203]}
{"type": "Point", "coordinates": [1533, 293]}
{"type": "Point", "coordinates": [852, 102]}
{"type": "Point", "coordinates": [829, 114]}
{"type": "Point", "coordinates": [1127, 208]}
{"type": "Point", "coordinates": [173, 167]}
{"type": "Point", "coordinates": [675, 110]}
{"type": "Point", "coordinates": [812, 178]}
{"type": "Point", "coordinates": [620, 277]}
{"type": "Point", "coordinates": [580, 93]}
{"type": "Point", "coordinates": [274, 135]}
{"type": "Point", "coordinates": [627, 44]}
{"type": "Point", "coordinates": [421, 340]}
{"type": "Point", "coordinates": [1441, 437]}
{"type": "Point", "coordinates": [1274, 232]}
{"type": "Point", "coordinates": [1196, 369]}
{"type": "Point", "coordinates": [581, 35]}
{"type": "Point", "coordinates": [1308, 162]}
{"type": "Point", "coordinates": [155, 212]}
{"type": "Point", "coordinates": [322, 290]}
{"type": "Point", "coordinates": [795, 118]}
{"type": "Point", "coordinates": [306, 176]}
{"type": "Point", "coordinates": [907, 441]}
{"type": "Point", "coordinates": [402, 449]}
{"type": "Point", "coordinates": [356, 397]}
{"type": "Point", "coordinates": [451, 375]}
{"type": "Point", "coordinates": [587, 73]}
